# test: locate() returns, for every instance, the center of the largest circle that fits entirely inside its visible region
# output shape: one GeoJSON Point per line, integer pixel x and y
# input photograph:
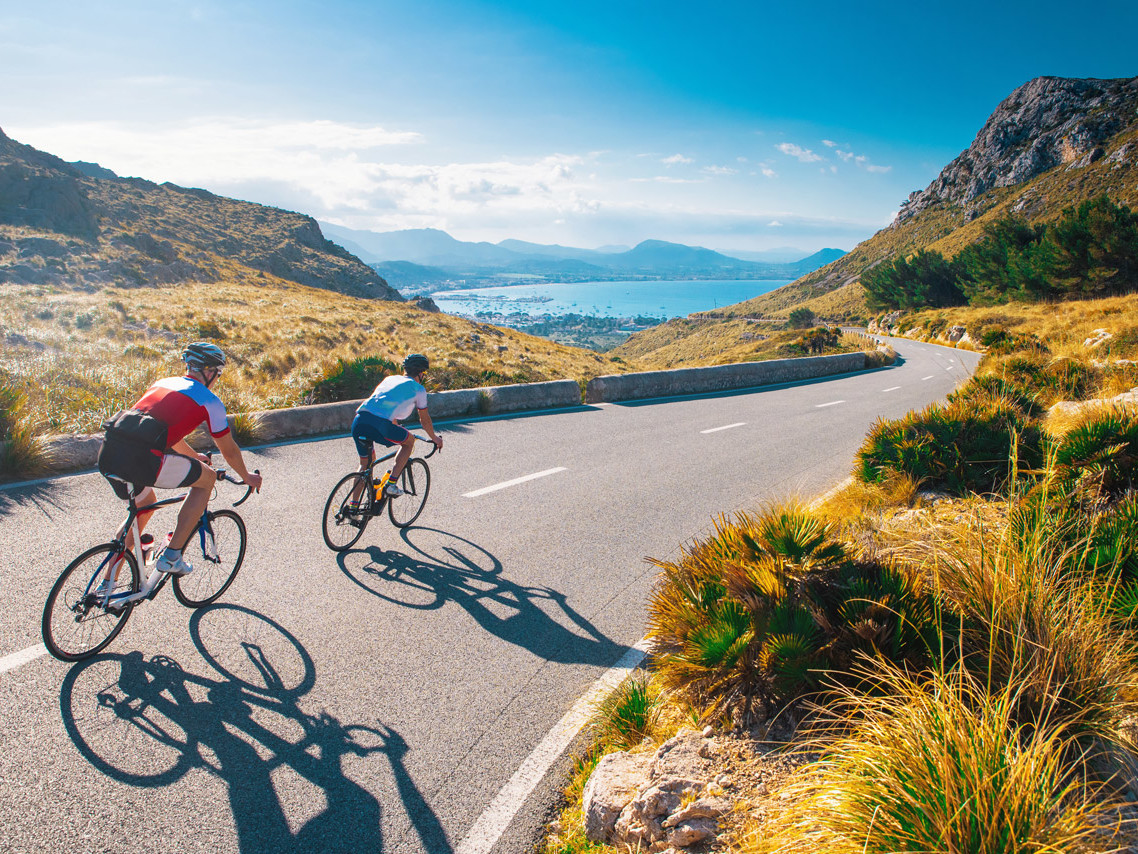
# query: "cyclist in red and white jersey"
{"type": "Point", "coordinates": [145, 447]}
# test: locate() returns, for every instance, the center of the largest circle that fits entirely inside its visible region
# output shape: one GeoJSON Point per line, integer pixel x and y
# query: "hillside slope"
{"type": "Point", "coordinates": [1052, 143]}
{"type": "Point", "coordinates": [79, 226]}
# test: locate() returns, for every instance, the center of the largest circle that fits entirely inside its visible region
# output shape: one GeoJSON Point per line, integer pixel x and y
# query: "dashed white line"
{"type": "Point", "coordinates": [929, 377]}
{"type": "Point", "coordinates": [891, 388]}
{"type": "Point", "coordinates": [949, 368]}
{"type": "Point", "coordinates": [831, 403]}
{"type": "Point", "coordinates": [15, 659]}
{"type": "Point", "coordinates": [724, 427]}
{"type": "Point", "coordinates": [513, 482]}
{"type": "Point", "coordinates": [490, 826]}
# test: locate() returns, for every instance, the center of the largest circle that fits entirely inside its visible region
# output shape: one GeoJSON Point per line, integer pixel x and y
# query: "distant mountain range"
{"type": "Point", "coordinates": [423, 257]}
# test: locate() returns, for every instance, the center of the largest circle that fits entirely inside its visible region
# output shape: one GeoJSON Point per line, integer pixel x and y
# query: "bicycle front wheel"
{"type": "Point", "coordinates": [76, 620]}
{"type": "Point", "coordinates": [216, 550]}
{"type": "Point", "coordinates": [415, 481]}
{"type": "Point", "coordinates": [344, 522]}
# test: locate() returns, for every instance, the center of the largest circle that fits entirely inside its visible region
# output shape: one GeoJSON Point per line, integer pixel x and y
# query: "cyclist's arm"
{"type": "Point", "coordinates": [425, 420]}
{"type": "Point", "coordinates": [232, 454]}
{"type": "Point", "coordinates": [183, 447]}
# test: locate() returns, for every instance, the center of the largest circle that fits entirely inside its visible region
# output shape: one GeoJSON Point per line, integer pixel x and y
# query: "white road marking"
{"type": "Point", "coordinates": [929, 377]}
{"type": "Point", "coordinates": [489, 827]}
{"type": "Point", "coordinates": [725, 427]}
{"type": "Point", "coordinates": [891, 388]}
{"type": "Point", "coordinates": [513, 482]}
{"type": "Point", "coordinates": [15, 659]}
{"type": "Point", "coordinates": [831, 403]}
{"type": "Point", "coordinates": [949, 368]}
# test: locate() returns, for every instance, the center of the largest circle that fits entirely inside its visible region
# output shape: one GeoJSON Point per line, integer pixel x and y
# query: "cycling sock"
{"type": "Point", "coordinates": [173, 554]}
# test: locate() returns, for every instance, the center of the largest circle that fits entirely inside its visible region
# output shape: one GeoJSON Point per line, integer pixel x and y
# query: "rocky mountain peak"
{"type": "Point", "coordinates": [1046, 122]}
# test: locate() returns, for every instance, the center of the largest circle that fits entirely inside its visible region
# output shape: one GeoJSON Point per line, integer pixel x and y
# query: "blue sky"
{"type": "Point", "coordinates": [738, 126]}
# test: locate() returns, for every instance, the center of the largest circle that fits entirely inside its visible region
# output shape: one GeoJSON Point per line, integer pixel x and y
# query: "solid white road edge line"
{"type": "Point", "coordinates": [891, 388]}
{"type": "Point", "coordinates": [513, 482]}
{"type": "Point", "coordinates": [15, 659]}
{"type": "Point", "coordinates": [831, 403]}
{"type": "Point", "coordinates": [725, 427]}
{"type": "Point", "coordinates": [489, 827]}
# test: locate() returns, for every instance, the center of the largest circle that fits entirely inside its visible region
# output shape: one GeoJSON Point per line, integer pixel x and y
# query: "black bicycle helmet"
{"type": "Point", "coordinates": [414, 364]}
{"type": "Point", "coordinates": [203, 354]}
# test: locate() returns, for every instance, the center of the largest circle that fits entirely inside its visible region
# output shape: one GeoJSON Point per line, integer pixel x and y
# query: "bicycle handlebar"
{"type": "Point", "coordinates": [223, 474]}
{"type": "Point", "coordinates": [434, 447]}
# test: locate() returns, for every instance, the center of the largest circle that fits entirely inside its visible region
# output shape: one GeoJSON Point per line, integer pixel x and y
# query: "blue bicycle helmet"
{"type": "Point", "coordinates": [203, 354]}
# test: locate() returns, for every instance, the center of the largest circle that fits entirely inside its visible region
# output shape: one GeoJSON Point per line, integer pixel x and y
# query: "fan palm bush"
{"type": "Point", "coordinates": [629, 714]}
{"type": "Point", "coordinates": [1100, 454]}
{"type": "Point", "coordinates": [756, 614]}
{"type": "Point", "coordinates": [974, 444]}
{"type": "Point", "coordinates": [941, 765]}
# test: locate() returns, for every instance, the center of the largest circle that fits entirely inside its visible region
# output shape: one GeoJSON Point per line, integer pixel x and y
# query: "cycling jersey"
{"type": "Point", "coordinates": [395, 398]}
{"type": "Point", "coordinates": [182, 403]}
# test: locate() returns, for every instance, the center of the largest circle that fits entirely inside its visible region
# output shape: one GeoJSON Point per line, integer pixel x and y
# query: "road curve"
{"type": "Point", "coordinates": [378, 701]}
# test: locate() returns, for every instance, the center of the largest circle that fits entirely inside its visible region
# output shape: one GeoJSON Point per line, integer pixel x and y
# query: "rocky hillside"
{"type": "Point", "coordinates": [1052, 143]}
{"type": "Point", "coordinates": [80, 226]}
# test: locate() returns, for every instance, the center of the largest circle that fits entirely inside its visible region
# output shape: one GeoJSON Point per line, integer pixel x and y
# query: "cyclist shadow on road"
{"type": "Point", "coordinates": [440, 567]}
{"type": "Point", "coordinates": [149, 723]}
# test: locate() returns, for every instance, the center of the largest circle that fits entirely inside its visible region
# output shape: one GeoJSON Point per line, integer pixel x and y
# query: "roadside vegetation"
{"type": "Point", "coordinates": [947, 641]}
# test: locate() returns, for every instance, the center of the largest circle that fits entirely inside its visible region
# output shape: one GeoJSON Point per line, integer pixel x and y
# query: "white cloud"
{"type": "Point", "coordinates": [676, 159]}
{"type": "Point", "coordinates": [878, 169]}
{"type": "Point", "coordinates": [768, 172]}
{"type": "Point", "coordinates": [847, 156]}
{"type": "Point", "coordinates": [328, 169]}
{"type": "Point", "coordinates": [829, 143]}
{"type": "Point", "coordinates": [774, 223]}
{"type": "Point", "coordinates": [719, 170]}
{"type": "Point", "coordinates": [804, 155]}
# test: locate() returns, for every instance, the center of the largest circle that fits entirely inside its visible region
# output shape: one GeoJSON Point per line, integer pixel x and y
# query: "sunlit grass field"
{"type": "Point", "coordinates": [79, 357]}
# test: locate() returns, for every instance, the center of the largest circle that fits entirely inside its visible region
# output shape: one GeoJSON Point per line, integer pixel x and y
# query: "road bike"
{"type": "Point", "coordinates": [358, 496]}
{"type": "Point", "coordinates": [83, 614]}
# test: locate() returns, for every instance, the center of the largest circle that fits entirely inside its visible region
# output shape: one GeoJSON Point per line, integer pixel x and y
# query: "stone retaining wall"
{"type": "Point", "coordinates": [71, 452]}
{"type": "Point", "coordinates": [718, 378]}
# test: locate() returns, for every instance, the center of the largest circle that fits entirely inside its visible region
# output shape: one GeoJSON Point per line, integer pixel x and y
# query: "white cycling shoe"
{"type": "Point", "coordinates": [173, 566]}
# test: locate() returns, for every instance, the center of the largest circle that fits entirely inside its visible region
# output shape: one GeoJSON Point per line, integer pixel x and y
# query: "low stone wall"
{"type": "Point", "coordinates": [616, 387]}
{"type": "Point", "coordinates": [68, 453]}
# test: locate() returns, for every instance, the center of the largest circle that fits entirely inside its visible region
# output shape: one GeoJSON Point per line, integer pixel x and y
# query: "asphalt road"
{"type": "Point", "coordinates": [379, 700]}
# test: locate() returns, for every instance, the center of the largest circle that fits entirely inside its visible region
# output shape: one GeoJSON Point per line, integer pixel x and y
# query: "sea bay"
{"type": "Point", "coordinates": [658, 299]}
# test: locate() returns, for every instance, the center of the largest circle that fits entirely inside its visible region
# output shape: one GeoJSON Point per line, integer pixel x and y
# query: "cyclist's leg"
{"type": "Point", "coordinates": [364, 439]}
{"type": "Point", "coordinates": [179, 472]}
{"type": "Point", "coordinates": [405, 449]}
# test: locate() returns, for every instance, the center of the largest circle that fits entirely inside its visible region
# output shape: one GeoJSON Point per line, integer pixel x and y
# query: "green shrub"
{"type": "Point", "coordinates": [1100, 454]}
{"type": "Point", "coordinates": [756, 614]}
{"type": "Point", "coordinates": [966, 446]}
{"type": "Point", "coordinates": [350, 379]}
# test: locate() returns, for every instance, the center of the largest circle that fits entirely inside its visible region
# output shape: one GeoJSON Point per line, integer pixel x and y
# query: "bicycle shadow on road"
{"type": "Point", "coordinates": [149, 722]}
{"type": "Point", "coordinates": [440, 567]}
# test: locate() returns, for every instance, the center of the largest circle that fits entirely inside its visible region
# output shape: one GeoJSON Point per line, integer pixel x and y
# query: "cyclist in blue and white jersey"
{"type": "Point", "coordinates": [377, 419]}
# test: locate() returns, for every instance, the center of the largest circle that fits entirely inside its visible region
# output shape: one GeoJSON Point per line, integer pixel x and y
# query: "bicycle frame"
{"type": "Point", "coordinates": [154, 582]}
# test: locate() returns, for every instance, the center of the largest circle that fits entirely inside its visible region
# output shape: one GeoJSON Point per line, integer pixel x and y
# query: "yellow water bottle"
{"type": "Point", "coordinates": [380, 486]}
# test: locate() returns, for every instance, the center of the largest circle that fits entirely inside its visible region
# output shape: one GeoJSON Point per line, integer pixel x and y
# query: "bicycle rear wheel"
{"type": "Point", "coordinates": [216, 550]}
{"type": "Point", "coordinates": [415, 481]}
{"type": "Point", "coordinates": [76, 623]}
{"type": "Point", "coordinates": [343, 524]}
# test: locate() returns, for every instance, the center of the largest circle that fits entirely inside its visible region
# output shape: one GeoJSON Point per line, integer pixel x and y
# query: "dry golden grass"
{"type": "Point", "coordinates": [81, 356]}
{"type": "Point", "coordinates": [1062, 326]}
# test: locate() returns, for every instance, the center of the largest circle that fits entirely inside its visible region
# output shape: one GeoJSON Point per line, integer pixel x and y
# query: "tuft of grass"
{"type": "Point", "coordinates": [629, 714]}
{"type": "Point", "coordinates": [940, 765]}
{"type": "Point", "coordinates": [351, 379]}
{"type": "Point", "coordinates": [246, 428]}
